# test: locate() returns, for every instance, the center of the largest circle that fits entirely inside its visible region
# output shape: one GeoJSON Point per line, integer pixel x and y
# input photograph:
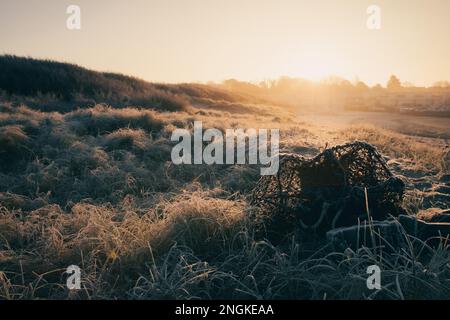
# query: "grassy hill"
{"type": "Point", "coordinates": [55, 86]}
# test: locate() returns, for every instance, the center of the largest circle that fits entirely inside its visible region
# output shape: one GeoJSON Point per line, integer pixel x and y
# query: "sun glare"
{"type": "Point", "coordinates": [317, 68]}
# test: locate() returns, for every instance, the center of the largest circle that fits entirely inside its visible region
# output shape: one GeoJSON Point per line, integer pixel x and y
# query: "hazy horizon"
{"type": "Point", "coordinates": [200, 41]}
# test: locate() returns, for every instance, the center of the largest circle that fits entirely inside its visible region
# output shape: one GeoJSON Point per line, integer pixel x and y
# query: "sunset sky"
{"type": "Point", "coordinates": [202, 40]}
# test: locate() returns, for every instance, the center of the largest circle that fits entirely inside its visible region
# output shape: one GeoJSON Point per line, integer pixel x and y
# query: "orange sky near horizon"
{"type": "Point", "coordinates": [252, 40]}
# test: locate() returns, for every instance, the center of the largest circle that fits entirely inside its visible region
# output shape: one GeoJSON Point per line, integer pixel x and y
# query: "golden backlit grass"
{"type": "Point", "coordinates": [95, 188]}
{"type": "Point", "coordinates": [420, 155]}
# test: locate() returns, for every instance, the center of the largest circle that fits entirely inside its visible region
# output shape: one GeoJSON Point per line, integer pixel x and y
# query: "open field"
{"type": "Point", "coordinates": [94, 187]}
{"type": "Point", "coordinates": [420, 126]}
{"type": "Point", "coordinates": [198, 151]}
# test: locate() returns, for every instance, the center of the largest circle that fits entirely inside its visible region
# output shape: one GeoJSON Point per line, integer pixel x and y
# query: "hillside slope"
{"type": "Point", "coordinates": [55, 86]}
